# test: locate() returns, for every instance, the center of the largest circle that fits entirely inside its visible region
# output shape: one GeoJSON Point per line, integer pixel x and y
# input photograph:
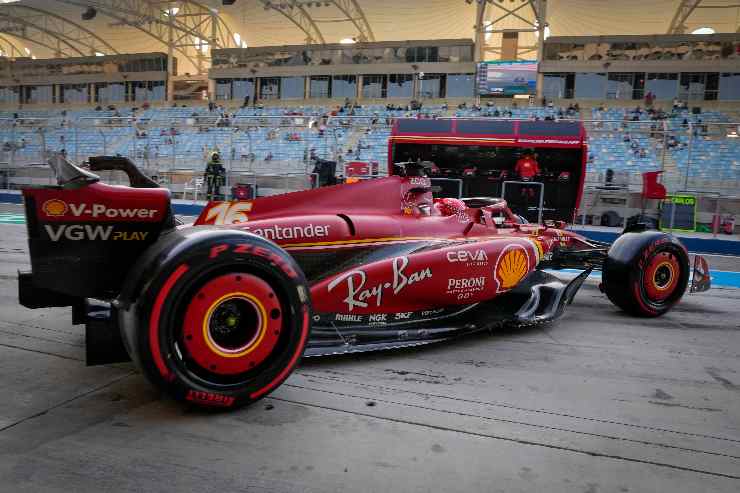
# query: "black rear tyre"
{"type": "Point", "coordinates": [646, 273]}
{"type": "Point", "coordinates": [223, 322]}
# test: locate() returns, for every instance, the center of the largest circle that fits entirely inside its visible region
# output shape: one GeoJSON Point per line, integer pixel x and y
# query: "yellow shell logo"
{"type": "Point", "coordinates": [54, 207]}
{"type": "Point", "coordinates": [539, 252]}
{"type": "Point", "coordinates": [512, 266]}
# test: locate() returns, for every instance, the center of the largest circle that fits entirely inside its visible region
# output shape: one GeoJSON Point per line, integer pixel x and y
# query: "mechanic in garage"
{"type": "Point", "coordinates": [527, 169]}
{"type": "Point", "coordinates": [214, 176]}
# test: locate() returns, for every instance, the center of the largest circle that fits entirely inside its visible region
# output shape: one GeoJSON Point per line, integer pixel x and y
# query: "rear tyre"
{"type": "Point", "coordinates": [645, 274]}
{"type": "Point", "coordinates": [225, 323]}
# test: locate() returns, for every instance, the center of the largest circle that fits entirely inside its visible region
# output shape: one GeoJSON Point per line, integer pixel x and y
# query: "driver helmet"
{"type": "Point", "coordinates": [450, 207]}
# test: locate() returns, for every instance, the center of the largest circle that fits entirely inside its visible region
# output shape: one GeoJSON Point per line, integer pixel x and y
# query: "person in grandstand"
{"type": "Point", "coordinates": [214, 176]}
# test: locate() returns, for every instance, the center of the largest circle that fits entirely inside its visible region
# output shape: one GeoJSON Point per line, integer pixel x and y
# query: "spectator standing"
{"type": "Point", "coordinates": [649, 99]}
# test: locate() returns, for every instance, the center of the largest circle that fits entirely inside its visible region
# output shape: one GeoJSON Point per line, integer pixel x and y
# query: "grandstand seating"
{"type": "Point", "coordinates": [517, 112]}
{"type": "Point", "coordinates": [611, 151]}
{"type": "Point", "coordinates": [258, 138]}
{"type": "Point", "coordinates": [713, 156]}
{"type": "Point", "coordinates": [710, 159]}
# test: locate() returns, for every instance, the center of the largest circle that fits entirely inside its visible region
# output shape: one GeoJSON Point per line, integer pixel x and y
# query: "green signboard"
{"type": "Point", "coordinates": [679, 213]}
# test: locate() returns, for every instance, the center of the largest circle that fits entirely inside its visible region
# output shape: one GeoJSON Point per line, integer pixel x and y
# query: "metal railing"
{"type": "Point", "coordinates": [702, 156]}
{"type": "Point", "coordinates": [181, 183]}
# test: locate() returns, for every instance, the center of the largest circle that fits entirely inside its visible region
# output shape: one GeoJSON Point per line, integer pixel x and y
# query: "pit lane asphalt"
{"type": "Point", "coordinates": [596, 402]}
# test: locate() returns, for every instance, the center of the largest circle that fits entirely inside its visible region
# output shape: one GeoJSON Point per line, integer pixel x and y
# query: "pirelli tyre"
{"type": "Point", "coordinates": [222, 321]}
{"type": "Point", "coordinates": [646, 273]}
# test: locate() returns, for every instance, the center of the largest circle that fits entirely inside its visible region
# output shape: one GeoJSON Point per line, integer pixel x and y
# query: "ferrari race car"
{"type": "Point", "coordinates": [218, 313]}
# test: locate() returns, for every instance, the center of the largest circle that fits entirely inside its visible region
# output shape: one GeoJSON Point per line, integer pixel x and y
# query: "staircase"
{"type": "Point", "coordinates": [120, 145]}
{"type": "Point", "coordinates": [353, 140]}
{"type": "Point", "coordinates": [668, 162]}
{"type": "Point", "coordinates": [671, 175]}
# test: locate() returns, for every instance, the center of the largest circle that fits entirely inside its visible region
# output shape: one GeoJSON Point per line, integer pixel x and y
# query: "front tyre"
{"type": "Point", "coordinates": [225, 322]}
{"type": "Point", "coordinates": [646, 273]}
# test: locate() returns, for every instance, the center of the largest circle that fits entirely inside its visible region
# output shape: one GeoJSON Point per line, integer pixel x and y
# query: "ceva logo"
{"type": "Point", "coordinates": [477, 256]}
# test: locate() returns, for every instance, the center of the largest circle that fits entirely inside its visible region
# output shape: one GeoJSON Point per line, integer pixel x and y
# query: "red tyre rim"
{"type": "Point", "coordinates": [661, 276]}
{"type": "Point", "coordinates": [232, 324]}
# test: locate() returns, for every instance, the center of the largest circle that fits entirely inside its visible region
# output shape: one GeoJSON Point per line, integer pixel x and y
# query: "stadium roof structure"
{"type": "Point", "coordinates": [54, 28]}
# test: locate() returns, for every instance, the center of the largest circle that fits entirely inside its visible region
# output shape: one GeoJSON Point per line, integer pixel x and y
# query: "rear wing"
{"type": "Point", "coordinates": [84, 236]}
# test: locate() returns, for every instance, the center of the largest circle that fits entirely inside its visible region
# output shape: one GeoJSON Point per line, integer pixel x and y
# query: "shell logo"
{"type": "Point", "coordinates": [511, 267]}
{"type": "Point", "coordinates": [54, 207]}
{"type": "Point", "coordinates": [538, 249]}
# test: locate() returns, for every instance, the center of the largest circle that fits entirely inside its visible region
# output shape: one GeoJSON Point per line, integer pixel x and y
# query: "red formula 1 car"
{"type": "Point", "coordinates": [219, 313]}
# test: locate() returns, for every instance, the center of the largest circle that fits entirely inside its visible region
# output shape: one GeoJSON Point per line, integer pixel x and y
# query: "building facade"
{"type": "Point", "coordinates": [688, 67]}
{"type": "Point", "coordinates": [382, 70]}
